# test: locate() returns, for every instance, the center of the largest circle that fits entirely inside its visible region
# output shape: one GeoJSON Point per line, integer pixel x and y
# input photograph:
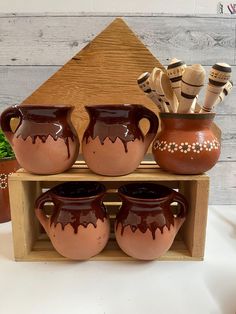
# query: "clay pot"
{"type": "Point", "coordinates": [7, 166]}
{"type": "Point", "coordinates": [113, 143]}
{"type": "Point", "coordinates": [186, 143]}
{"type": "Point", "coordinates": [146, 226]}
{"type": "Point", "coordinates": [45, 142]}
{"type": "Point", "coordinates": [78, 226]}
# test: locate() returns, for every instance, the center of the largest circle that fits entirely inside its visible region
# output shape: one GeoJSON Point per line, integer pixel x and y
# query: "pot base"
{"type": "Point", "coordinates": [111, 159]}
{"type": "Point", "coordinates": [141, 245]}
{"type": "Point", "coordinates": [84, 244]}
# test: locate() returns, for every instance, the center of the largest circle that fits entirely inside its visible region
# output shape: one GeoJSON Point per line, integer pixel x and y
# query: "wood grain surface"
{"type": "Point", "coordinates": [35, 47]}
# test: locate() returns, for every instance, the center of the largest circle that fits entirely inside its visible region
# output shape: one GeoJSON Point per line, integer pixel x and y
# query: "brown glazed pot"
{"type": "Point", "coordinates": [145, 226]}
{"type": "Point", "coordinates": [78, 226]}
{"type": "Point", "coordinates": [113, 143]}
{"type": "Point", "coordinates": [7, 166]}
{"type": "Point", "coordinates": [186, 143]}
{"type": "Point", "coordinates": [45, 141]}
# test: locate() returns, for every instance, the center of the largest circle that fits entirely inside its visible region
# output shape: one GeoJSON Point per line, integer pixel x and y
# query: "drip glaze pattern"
{"type": "Point", "coordinates": [45, 141]}
{"type": "Point", "coordinates": [79, 225]}
{"type": "Point", "coordinates": [113, 136]}
{"type": "Point", "coordinates": [145, 225]}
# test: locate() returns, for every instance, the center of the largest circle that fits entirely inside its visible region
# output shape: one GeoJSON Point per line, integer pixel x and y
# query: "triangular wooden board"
{"type": "Point", "coordinates": [104, 72]}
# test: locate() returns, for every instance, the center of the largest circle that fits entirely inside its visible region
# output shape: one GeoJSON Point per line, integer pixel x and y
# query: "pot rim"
{"type": "Point", "coordinates": [136, 199]}
{"type": "Point", "coordinates": [103, 191]}
{"type": "Point", "coordinates": [191, 116]}
{"type": "Point", "coordinates": [110, 106]}
{"type": "Point", "coordinates": [41, 106]}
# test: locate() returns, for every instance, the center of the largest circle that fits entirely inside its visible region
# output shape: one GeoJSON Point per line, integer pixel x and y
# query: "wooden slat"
{"type": "Point", "coordinates": [194, 228]}
{"type": "Point", "coordinates": [24, 225]}
{"type": "Point", "coordinates": [222, 187]}
{"type": "Point", "coordinates": [54, 40]}
{"type": "Point", "coordinates": [85, 174]}
{"type": "Point", "coordinates": [43, 251]}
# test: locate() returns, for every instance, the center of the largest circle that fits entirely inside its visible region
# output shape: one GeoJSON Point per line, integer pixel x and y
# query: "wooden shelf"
{"type": "Point", "coordinates": [31, 245]}
{"type": "Point", "coordinates": [145, 172]}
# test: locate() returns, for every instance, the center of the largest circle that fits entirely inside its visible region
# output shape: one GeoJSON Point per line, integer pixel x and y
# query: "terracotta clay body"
{"type": "Point", "coordinates": [113, 144]}
{"type": "Point", "coordinates": [7, 166]}
{"type": "Point", "coordinates": [186, 144]}
{"type": "Point", "coordinates": [79, 226]}
{"type": "Point", "coordinates": [45, 142]}
{"type": "Point", "coordinates": [145, 225]}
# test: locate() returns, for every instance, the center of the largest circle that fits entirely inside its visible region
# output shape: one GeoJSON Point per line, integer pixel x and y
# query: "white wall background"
{"type": "Point", "coordinates": [132, 6]}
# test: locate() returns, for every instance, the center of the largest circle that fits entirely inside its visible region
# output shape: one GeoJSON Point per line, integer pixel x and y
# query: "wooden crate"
{"type": "Point", "coordinates": [32, 245]}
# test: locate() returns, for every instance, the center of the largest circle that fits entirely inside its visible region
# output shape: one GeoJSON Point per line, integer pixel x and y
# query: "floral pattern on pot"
{"type": "Point", "coordinates": [186, 147]}
{"type": "Point", "coordinates": [3, 180]}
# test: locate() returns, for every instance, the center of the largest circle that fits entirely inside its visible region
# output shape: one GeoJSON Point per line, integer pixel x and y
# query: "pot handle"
{"type": "Point", "coordinates": [39, 203]}
{"type": "Point", "coordinates": [5, 119]}
{"type": "Point", "coordinates": [181, 215]}
{"type": "Point", "coordinates": [144, 112]}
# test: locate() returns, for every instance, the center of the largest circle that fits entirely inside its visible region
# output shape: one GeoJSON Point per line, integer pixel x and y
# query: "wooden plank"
{"type": "Point", "coordinates": [194, 228]}
{"type": "Point", "coordinates": [18, 82]}
{"type": "Point", "coordinates": [223, 187]}
{"type": "Point", "coordinates": [43, 251]}
{"type": "Point", "coordinates": [24, 224]}
{"type": "Point", "coordinates": [55, 39]}
{"type": "Point", "coordinates": [222, 178]}
{"type": "Point", "coordinates": [75, 174]}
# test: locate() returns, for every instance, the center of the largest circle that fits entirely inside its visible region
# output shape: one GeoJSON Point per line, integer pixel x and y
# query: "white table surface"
{"type": "Point", "coordinates": [207, 287]}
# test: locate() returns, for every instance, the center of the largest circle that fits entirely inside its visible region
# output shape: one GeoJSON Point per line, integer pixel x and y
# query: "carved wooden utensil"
{"type": "Point", "coordinates": [219, 75]}
{"type": "Point", "coordinates": [192, 81]}
{"type": "Point", "coordinates": [144, 84]}
{"type": "Point", "coordinates": [175, 71]}
{"type": "Point", "coordinates": [226, 91]}
{"type": "Point", "coordinates": [156, 83]}
{"type": "Point", "coordinates": [168, 92]}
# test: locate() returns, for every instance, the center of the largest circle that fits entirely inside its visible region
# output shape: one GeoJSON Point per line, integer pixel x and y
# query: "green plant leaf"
{"type": "Point", "coordinates": [5, 148]}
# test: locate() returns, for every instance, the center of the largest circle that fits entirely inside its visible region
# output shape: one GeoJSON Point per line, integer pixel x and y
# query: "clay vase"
{"type": "Point", "coordinates": [7, 167]}
{"type": "Point", "coordinates": [79, 226]}
{"type": "Point", "coordinates": [45, 141]}
{"type": "Point", "coordinates": [113, 143]}
{"type": "Point", "coordinates": [146, 226]}
{"type": "Point", "coordinates": [186, 143]}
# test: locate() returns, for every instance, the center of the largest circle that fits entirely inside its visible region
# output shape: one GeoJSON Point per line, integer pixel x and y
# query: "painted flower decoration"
{"type": "Point", "coordinates": [208, 145]}
{"type": "Point", "coordinates": [216, 144]}
{"type": "Point", "coordinates": [163, 145]}
{"type": "Point", "coordinates": [185, 147]}
{"type": "Point", "coordinates": [3, 176]}
{"type": "Point", "coordinates": [3, 185]}
{"type": "Point", "coordinates": [172, 147]}
{"type": "Point", "coordinates": [197, 147]}
{"type": "Point", "coordinates": [156, 144]}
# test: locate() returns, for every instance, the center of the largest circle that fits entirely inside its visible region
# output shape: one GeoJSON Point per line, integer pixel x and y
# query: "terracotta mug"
{"type": "Point", "coordinates": [78, 226]}
{"type": "Point", "coordinates": [45, 141]}
{"type": "Point", "coordinates": [113, 143]}
{"type": "Point", "coordinates": [7, 166]}
{"type": "Point", "coordinates": [186, 143]}
{"type": "Point", "coordinates": [146, 226]}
